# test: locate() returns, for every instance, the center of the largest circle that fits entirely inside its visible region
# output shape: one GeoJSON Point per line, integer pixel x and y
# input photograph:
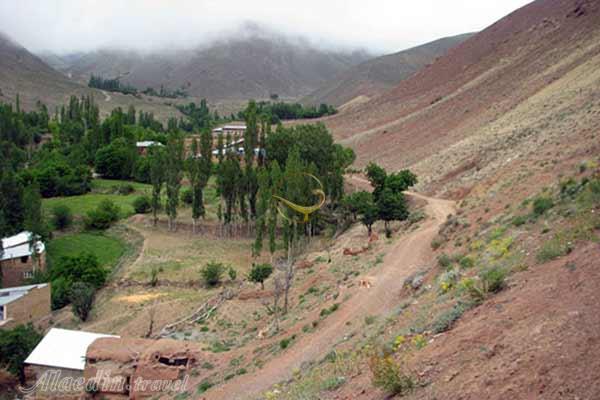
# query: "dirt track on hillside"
{"type": "Point", "coordinates": [406, 257]}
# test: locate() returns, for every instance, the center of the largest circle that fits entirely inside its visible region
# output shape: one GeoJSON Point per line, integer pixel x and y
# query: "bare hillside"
{"type": "Point", "coordinates": [33, 80]}
{"type": "Point", "coordinates": [529, 80]}
{"type": "Point", "coordinates": [236, 69]}
{"type": "Point", "coordinates": [373, 77]}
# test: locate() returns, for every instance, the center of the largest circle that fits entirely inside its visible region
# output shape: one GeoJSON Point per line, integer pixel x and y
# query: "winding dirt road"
{"type": "Point", "coordinates": [404, 258]}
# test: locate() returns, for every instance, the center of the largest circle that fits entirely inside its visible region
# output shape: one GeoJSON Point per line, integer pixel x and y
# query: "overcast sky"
{"type": "Point", "coordinates": [377, 25]}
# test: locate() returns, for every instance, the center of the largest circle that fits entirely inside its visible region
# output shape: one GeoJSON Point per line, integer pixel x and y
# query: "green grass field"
{"type": "Point", "coordinates": [101, 190]}
{"type": "Point", "coordinates": [107, 249]}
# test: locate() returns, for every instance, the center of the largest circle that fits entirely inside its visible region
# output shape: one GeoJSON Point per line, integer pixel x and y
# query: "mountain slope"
{"type": "Point", "coordinates": [502, 97]}
{"type": "Point", "coordinates": [236, 69]}
{"type": "Point", "coordinates": [33, 80]}
{"type": "Point", "coordinates": [373, 77]}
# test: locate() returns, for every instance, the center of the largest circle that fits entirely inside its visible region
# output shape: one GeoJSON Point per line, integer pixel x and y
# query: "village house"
{"type": "Point", "coordinates": [144, 147]}
{"type": "Point", "coordinates": [128, 368]}
{"type": "Point", "coordinates": [60, 358]}
{"type": "Point", "coordinates": [235, 131]}
{"type": "Point", "coordinates": [20, 259]}
{"type": "Point", "coordinates": [24, 304]}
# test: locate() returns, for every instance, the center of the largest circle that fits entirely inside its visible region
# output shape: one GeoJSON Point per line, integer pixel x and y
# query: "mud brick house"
{"type": "Point", "coordinates": [139, 368]}
{"type": "Point", "coordinates": [58, 361]}
{"type": "Point", "coordinates": [18, 262]}
{"type": "Point", "coordinates": [24, 304]}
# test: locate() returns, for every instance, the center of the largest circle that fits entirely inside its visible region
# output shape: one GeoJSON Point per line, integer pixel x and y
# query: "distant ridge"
{"type": "Point", "coordinates": [374, 76]}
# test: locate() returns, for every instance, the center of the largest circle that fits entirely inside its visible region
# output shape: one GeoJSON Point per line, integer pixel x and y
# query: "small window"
{"type": "Point", "coordinates": [2, 313]}
{"type": "Point", "coordinates": [28, 274]}
{"type": "Point", "coordinates": [24, 259]}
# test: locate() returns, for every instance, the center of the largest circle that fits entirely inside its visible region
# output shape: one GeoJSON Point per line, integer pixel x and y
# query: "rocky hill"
{"type": "Point", "coordinates": [251, 66]}
{"type": "Point", "coordinates": [373, 77]}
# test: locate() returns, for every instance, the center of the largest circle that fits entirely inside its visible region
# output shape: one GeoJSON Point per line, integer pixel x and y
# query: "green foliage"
{"type": "Point", "coordinates": [541, 205]}
{"type": "Point", "coordinates": [493, 279]}
{"type": "Point", "coordinates": [15, 345]}
{"type": "Point", "coordinates": [203, 387]}
{"type": "Point", "coordinates": [111, 85]}
{"type": "Point", "coordinates": [82, 299]}
{"type": "Point", "coordinates": [260, 272]}
{"type": "Point", "coordinates": [61, 289]}
{"type": "Point", "coordinates": [187, 197]}
{"type": "Point", "coordinates": [103, 216]}
{"type": "Point", "coordinates": [232, 273]}
{"type": "Point", "coordinates": [83, 268]}
{"type": "Point", "coordinates": [446, 320]}
{"type": "Point", "coordinates": [444, 260]}
{"type": "Point", "coordinates": [327, 311]}
{"type": "Point", "coordinates": [116, 160]}
{"type": "Point", "coordinates": [280, 111]}
{"type": "Point", "coordinates": [553, 249]}
{"type": "Point", "coordinates": [142, 205]}
{"type": "Point", "coordinates": [212, 273]}
{"type": "Point", "coordinates": [388, 375]}
{"type": "Point", "coordinates": [467, 262]}
{"type": "Point", "coordinates": [62, 217]}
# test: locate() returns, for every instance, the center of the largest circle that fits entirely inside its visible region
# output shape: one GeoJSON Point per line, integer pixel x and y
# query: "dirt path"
{"type": "Point", "coordinates": [107, 96]}
{"type": "Point", "coordinates": [406, 256]}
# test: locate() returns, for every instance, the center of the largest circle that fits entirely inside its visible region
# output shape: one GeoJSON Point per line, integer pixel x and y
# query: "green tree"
{"type": "Point", "coordinates": [82, 299]}
{"type": "Point", "coordinates": [259, 273]}
{"type": "Point", "coordinates": [264, 197]}
{"type": "Point", "coordinates": [62, 217]}
{"type": "Point", "coordinates": [194, 172]}
{"type": "Point", "coordinates": [82, 268]}
{"type": "Point", "coordinates": [391, 207]}
{"type": "Point", "coordinates": [15, 346]}
{"type": "Point", "coordinates": [173, 172]}
{"type": "Point", "coordinates": [117, 160]}
{"type": "Point", "coordinates": [276, 185]}
{"type": "Point", "coordinates": [212, 273]}
{"type": "Point", "coordinates": [157, 178]}
{"type": "Point", "coordinates": [34, 219]}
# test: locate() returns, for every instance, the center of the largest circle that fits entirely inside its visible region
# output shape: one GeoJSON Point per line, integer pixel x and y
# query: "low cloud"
{"type": "Point", "coordinates": [380, 26]}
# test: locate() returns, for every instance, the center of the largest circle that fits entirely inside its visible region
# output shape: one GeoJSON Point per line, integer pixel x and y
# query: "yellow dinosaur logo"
{"type": "Point", "coordinates": [306, 211]}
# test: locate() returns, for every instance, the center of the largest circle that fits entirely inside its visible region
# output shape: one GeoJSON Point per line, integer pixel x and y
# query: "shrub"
{"type": "Point", "coordinates": [388, 375]}
{"type": "Point", "coordinates": [552, 250]}
{"type": "Point", "coordinates": [519, 220]}
{"type": "Point", "coordinates": [125, 188]}
{"type": "Point", "coordinates": [142, 205]}
{"type": "Point", "coordinates": [203, 387]}
{"type": "Point", "coordinates": [60, 293]}
{"type": "Point", "coordinates": [444, 260]}
{"type": "Point", "coordinates": [232, 273]}
{"type": "Point", "coordinates": [15, 345]}
{"type": "Point", "coordinates": [212, 273]}
{"type": "Point", "coordinates": [285, 343]}
{"type": "Point", "coordinates": [467, 262]}
{"type": "Point", "coordinates": [187, 197]}
{"type": "Point", "coordinates": [447, 319]}
{"type": "Point", "coordinates": [82, 268]}
{"type": "Point", "coordinates": [436, 243]}
{"type": "Point", "coordinates": [541, 205]}
{"type": "Point", "coordinates": [62, 217]}
{"type": "Point", "coordinates": [103, 216]}
{"type": "Point", "coordinates": [82, 298]}
{"type": "Point", "coordinates": [326, 311]}
{"type": "Point", "coordinates": [493, 279]}
{"type": "Point", "coordinates": [154, 277]}
{"type": "Point", "coordinates": [260, 272]}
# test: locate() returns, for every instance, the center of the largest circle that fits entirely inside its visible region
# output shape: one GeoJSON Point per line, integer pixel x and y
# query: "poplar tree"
{"type": "Point", "coordinates": [276, 186]}
{"type": "Point", "coordinates": [173, 171]}
{"type": "Point", "coordinates": [157, 179]}
{"type": "Point", "coordinates": [264, 195]}
{"type": "Point", "coordinates": [194, 171]}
